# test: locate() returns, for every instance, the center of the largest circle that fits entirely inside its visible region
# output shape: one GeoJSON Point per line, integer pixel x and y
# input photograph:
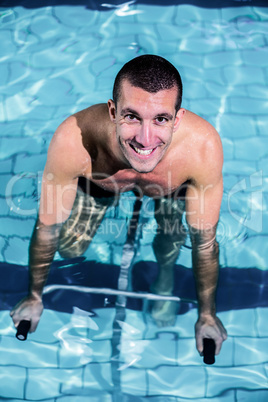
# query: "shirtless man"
{"type": "Point", "coordinates": [142, 140]}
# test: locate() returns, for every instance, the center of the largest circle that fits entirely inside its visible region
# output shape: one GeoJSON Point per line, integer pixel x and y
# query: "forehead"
{"type": "Point", "coordinates": [135, 96]}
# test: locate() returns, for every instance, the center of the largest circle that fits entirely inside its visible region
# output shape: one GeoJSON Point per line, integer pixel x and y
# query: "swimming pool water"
{"type": "Point", "coordinates": [100, 344]}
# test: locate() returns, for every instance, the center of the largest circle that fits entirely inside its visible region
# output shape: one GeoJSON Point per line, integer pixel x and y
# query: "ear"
{"type": "Point", "coordinates": [112, 110]}
{"type": "Point", "coordinates": [178, 118]}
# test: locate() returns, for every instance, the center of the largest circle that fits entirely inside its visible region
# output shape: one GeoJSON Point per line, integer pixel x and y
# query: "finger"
{"type": "Point", "coordinates": [218, 343]}
{"type": "Point", "coordinates": [199, 345]}
{"type": "Point", "coordinates": [34, 323]}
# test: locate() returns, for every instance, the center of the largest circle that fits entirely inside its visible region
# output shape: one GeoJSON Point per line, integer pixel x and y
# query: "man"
{"type": "Point", "coordinates": [142, 140]}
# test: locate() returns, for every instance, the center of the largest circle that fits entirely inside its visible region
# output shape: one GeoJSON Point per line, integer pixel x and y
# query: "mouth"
{"type": "Point", "coordinates": [142, 152]}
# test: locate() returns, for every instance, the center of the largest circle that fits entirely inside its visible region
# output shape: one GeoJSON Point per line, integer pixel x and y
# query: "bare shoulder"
{"type": "Point", "coordinates": [66, 153]}
{"type": "Point", "coordinates": [70, 148]}
{"type": "Point", "coordinates": [207, 153]}
{"type": "Point", "coordinates": [93, 119]}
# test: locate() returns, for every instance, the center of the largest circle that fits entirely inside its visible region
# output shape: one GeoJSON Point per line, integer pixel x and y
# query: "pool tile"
{"type": "Point", "coordinates": [134, 381]}
{"type": "Point", "coordinates": [76, 352]}
{"type": "Point", "coordinates": [262, 324]}
{"type": "Point", "coordinates": [209, 106]}
{"type": "Point", "coordinates": [229, 181]}
{"type": "Point", "coordinates": [68, 16]}
{"type": "Point", "coordinates": [242, 167]}
{"type": "Point", "coordinates": [17, 250]}
{"type": "Point", "coordinates": [23, 227]}
{"type": "Point", "coordinates": [47, 334]}
{"type": "Point", "coordinates": [222, 59]}
{"type": "Point", "coordinates": [19, 184]}
{"type": "Point", "coordinates": [12, 128]}
{"type": "Point", "coordinates": [250, 396]}
{"type": "Point", "coordinates": [258, 91]}
{"type": "Point", "coordinates": [31, 164]}
{"type": "Point", "coordinates": [252, 253]}
{"type": "Point", "coordinates": [156, 14]}
{"type": "Point", "coordinates": [248, 105]}
{"type": "Point", "coordinates": [4, 73]}
{"type": "Point", "coordinates": [101, 64]}
{"type": "Point", "coordinates": [237, 125]}
{"type": "Point", "coordinates": [28, 354]}
{"type": "Point", "coordinates": [62, 92]}
{"type": "Point", "coordinates": [8, 47]}
{"type": "Point", "coordinates": [187, 353]}
{"type": "Point", "coordinates": [185, 324]}
{"type": "Point", "coordinates": [235, 75]}
{"type": "Point", "coordinates": [248, 26]}
{"type": "Point", "coordinates": [255, 148]}
{"type": "Point", "coordinates": [145, 253]}
{"type": "Point", "coordinates": [9, 147]}
{"type": "Point", "coordinates": [202, 45]}
{"type": "Point", "coordinates": [248, 351]}
{"type": "Point", "coordinates": [134, 325]}
{"type": "Point", "coordinates": [99, 397]}
{"type": "Point", "coordinates": [125, 28]}
{"type": "Point", "coordinates": [111, 228]}
{"type": "Point", "coordinates": [169, 380]}
{"type": "Point", "coordinates": [185, 59]}
{"type": "Point", "coordinates": [8, 374]}
{"type": "Point", "coordinates": [213, 75]}
{"type": "Point", "coordinates": [185, 29]}
{"type": "Point", "coordinates": [98, 251]}
{"type": "Point", "coordinates": [151, 353]}
{"type": "Point", "coordinates": [123, 53]}
{"type": "Point", "coordinates": [239, 322]}
{"type": "Point", "coordinates": [104, 320]}
{"type": "Point", "coordinates": [3, 243]}
{"type": "Point", "coordinates": [49, 382]}
{"type": "Point", "coordinates": [255, 57]}
{"type": "Point", "coordinates": [232, 13]}
{"type": "Point", "coordinates": [46, 27]}
{"type": "Point", "coordinates": [47, 59]}
{"type": "Point", "coordinates": [220, 379]}
{"type": "Point", "coordinates": [261, 12]}
{"type": "Point", "coordinates": [97, 377]}
{"type": "Point", "coordinates": [191, 13]}
{"type": "Point", "coordinates": [228, 148]}
{"type": "Point", "coordinates": [241, 41]}
{"type": "Point", "coordinates": [262, 124]}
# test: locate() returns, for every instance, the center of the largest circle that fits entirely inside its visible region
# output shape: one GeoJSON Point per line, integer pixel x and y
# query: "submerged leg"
{"type": "Point", "coordinates": [78, 231]}
{"type": "Point", "coordinates": [167, 243]}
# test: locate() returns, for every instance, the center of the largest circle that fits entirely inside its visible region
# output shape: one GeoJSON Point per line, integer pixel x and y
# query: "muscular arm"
{"type": "Point", "coordinates": [203, 200]}
{"type": "Point", "coordinates": [59, 186]}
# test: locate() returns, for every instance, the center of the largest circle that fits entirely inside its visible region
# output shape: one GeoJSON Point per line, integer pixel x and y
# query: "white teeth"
{"type": "Point", "coordinates": [143, 151]}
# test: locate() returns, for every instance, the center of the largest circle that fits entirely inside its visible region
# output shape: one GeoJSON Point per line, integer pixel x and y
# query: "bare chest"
{"type": "Point", "coordinates": [151, 184]}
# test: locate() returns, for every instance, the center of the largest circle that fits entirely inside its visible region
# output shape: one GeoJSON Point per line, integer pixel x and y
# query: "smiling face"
{"type": "Point", "coordinates": [145, 123]}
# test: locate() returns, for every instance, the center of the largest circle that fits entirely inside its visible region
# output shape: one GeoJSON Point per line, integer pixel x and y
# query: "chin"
{"type": "Point", "coordinates": [143, 167]}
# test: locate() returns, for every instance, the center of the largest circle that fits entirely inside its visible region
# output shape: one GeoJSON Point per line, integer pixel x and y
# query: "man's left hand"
{"type": "Point", "coordinates": [209, 327]}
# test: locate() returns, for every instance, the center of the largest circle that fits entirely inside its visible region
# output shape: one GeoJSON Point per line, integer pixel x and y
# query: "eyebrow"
{"type": "Point", "coordinates": [132, 111]}
{"type": "Point", "coordinates": [166, 115]}
{"type": "Point", "coordinates": [129, 110]}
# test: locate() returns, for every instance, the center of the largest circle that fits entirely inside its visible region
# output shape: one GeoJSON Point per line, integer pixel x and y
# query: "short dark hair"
{"type": "Point", "coordinates": [152, 74]}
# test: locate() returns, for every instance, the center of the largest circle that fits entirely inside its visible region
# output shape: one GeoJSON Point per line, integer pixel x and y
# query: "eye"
{"type": "Point", "coordinates": [161, 120]}
{"type": "Point", "coordinates": [131, 117]}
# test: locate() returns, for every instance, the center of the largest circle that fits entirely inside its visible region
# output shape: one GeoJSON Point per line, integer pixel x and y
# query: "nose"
{"type": "Point", "coordinates": [145, 135]}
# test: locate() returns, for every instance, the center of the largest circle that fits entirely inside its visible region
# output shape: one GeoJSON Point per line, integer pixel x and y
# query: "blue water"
{"type": "Point", "coordinates": [94, 342]}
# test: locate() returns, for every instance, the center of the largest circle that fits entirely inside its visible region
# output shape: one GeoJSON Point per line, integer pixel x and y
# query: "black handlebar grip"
{"type": "Point", "coordinates": [23, 329]}
{"type": "Point", "coordinates": [209, 351]}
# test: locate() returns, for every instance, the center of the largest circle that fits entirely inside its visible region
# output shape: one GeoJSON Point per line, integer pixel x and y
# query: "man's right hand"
{"type": "Point", "coordinates": [30, 308]}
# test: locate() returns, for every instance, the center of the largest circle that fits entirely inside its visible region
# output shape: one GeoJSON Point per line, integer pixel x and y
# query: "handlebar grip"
{"type": "Point", "coordinates": [209, 351]}
{"type": "Point", "coordinates": [23, 329]}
